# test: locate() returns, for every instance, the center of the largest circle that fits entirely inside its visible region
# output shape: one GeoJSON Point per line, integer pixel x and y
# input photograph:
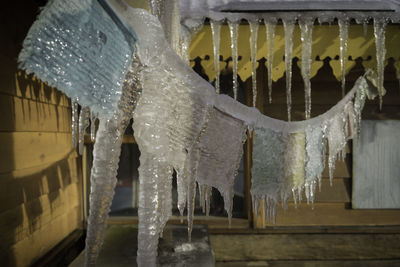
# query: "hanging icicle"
{"type": "Point", "coordinates": [379, 32]}
{"type": "Point", "coordinates": [216, 30]}
{"type": "Point", "coordinates": [289, 27]}
{"type": "Point", "coordinates": [343, 36]}
{"type": "Point", "coordinates": [234, 27]}
{"type": "Point", "coordinates": [365, 27]}
{"type": "Point", "coordinates": [270, 33]}
{"type": "Point", "coordinates": [93, 118]}
{"type": "Point", "coordinates": [253, 57]}
{"type": "Point", "coordinates": [306, 28]}
{"type": "Point", "coordinates": [83, 124]}
{"type": "Point", "coordinates": [75, 119]}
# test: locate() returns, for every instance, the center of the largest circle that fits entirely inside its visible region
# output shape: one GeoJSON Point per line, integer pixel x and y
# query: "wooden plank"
{"type": "Point", "coordinates": [303, 263]}
{"type": "Point", "coordinates": [376, 180]}
{"type": "Point", "coordinates": [213, 222]}
{"type": "Point", "coordinates": [43, 148]}
{"type": "Point", "coordinates": [305, 247]}
{"type": "Point", "coordinates": [28, 250]}
{"type": "Point", "coordinates": [334, 214]}
{"type": "Point", "coordinates": [20, 222]}
{"type": "Point", "coordinates": [310, 230]}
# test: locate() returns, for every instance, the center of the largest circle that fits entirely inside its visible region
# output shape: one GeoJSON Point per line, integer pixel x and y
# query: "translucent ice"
{"type": "Point", "coordinates": [233, 27]}
{"type": "Point", "coordinates": [379, 32]}
{"type": "Point", "coordinates": [216, 29]}
{"type": "Point", "coordinates": [253, 57]}
{"type": "Point", "coordinates": [343, 36]}
{"type": "Point", "coordinates": [221, 148]}
{"type": "Point", "coordinates": [72, 46]}
{"type": "Point", "coordinates": [83, 124]}
{"type": "Point", "coordinates": [306, 28]}
{"type": "Point", "coordinates": [75, 121]}
{"type": "Point", "coordinates": [289, 27]}
{"type": "Point", "coordinates": [270, 33]}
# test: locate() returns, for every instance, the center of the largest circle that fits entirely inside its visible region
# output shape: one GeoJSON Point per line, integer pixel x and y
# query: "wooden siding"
{"type": "Point", "coordinates": [40, 173]}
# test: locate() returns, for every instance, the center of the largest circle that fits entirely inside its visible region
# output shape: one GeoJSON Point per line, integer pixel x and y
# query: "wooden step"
{"type": "Point", "coordinates": [305, 247]}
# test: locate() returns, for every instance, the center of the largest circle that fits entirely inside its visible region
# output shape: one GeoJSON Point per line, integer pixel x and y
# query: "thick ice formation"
{"type": "Point", "coordinates": [343, 37]}
{"type": "Point", "coordinates": [289, 27]}
{"type": "Point", "coordinates": [306, 27]}
{"type": "Point", "coordinates": [379, 32]}
{"type": "Point", "coordinates": [253, 57]}
{"type": "Point", "coordinates": [220, 151]}
{"type": "Point", "coordinates": [270, 33]}
{"type": "Point", "coordinates": [233, 28]}
{"type": "Point", "coordinates": [289, 156]}
{"type": "Point", "coordinates": [72, 46]}
{"type": "Point", "coordinates": [216, 29]}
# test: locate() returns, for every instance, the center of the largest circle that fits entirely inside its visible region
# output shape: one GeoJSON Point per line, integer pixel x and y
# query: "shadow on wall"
{"type": "Point", "coordinates": [39, 179]}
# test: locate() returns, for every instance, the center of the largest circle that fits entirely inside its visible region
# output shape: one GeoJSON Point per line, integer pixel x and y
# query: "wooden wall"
{"type": "Point", "coordinates": [40, 177]}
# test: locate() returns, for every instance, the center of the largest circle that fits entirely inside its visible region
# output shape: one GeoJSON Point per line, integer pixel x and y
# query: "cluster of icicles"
{"type": "Point", "coordinates": [180, 123]}
{"type": "Point", "coordinates": [306, 27]}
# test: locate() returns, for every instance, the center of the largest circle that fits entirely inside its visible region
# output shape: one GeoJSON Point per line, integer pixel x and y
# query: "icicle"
{"type": "Point", "coordinates": [155, 7]}
{"type": "Point", "coordinates": [270, 33]}
{"type": "Point", "coordinates": [149, 180]}
{"type": "Point", "coordinates": [83, 124]}
{"type": "Point", "coordinates": [103, 180]}
{"type": "Point", "coordinates": [343, 36]}
{"type": "Point", "coordinates": [191, 191]}
{"type": "Point", "coordinates": [379, 32]}
{"type": "Point", "coordinates": [185, 44]}
{"type": "Point", "coordinates": [306, 39]}
{"type": "Point", "coordinates": [253, 50]}
{"type": "Point", "coordinates": [216, 29]}
{"type": "Point", "coordinates": [233, 27]}
{"type": "Point", "coordinates": [75, 119]}
{"type": "Point", "coordinates": [164, 195]}
{"type": "Point", "coordinates": [93, 118]}
{"type": "Point", "coordinates": [365, 28]}
{"type": "Point", "coordinates": [289, 27]}
{"type": "Point", "coordinates": [207, 196]}
{"type": "Point", "coordinates": [181, 181]}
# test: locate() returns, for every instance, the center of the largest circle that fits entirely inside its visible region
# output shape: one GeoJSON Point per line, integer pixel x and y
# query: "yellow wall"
{"type": "Point", "coordinates": [325, 43]}
{"type": "Point", "coordinates": [40, 177]}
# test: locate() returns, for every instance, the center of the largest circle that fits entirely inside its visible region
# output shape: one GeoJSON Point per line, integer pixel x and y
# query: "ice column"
{"type": "Point", "coordinates": [306, 28]}
{"type": "Point", "coordinates": [253, 57]}
{"type": "Point", "coordinates": [379, 32]}
{"type": "Point", "coordinates": [270, 33]}
{"type": "Point", "coordinates": [216, 29]}
{"type": "Point", "coordinates": [343, 36]}
{"type": "Point", "coordinates": [83, 124]}
{"type": "Point", "coordinates": [289, 27]}
{"type": "Point", "coordinates": [103, 180]}
{"type": "Point", "coordinates": [75, 119]}
{"type": "Point", "coordinates": [233, 27]}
